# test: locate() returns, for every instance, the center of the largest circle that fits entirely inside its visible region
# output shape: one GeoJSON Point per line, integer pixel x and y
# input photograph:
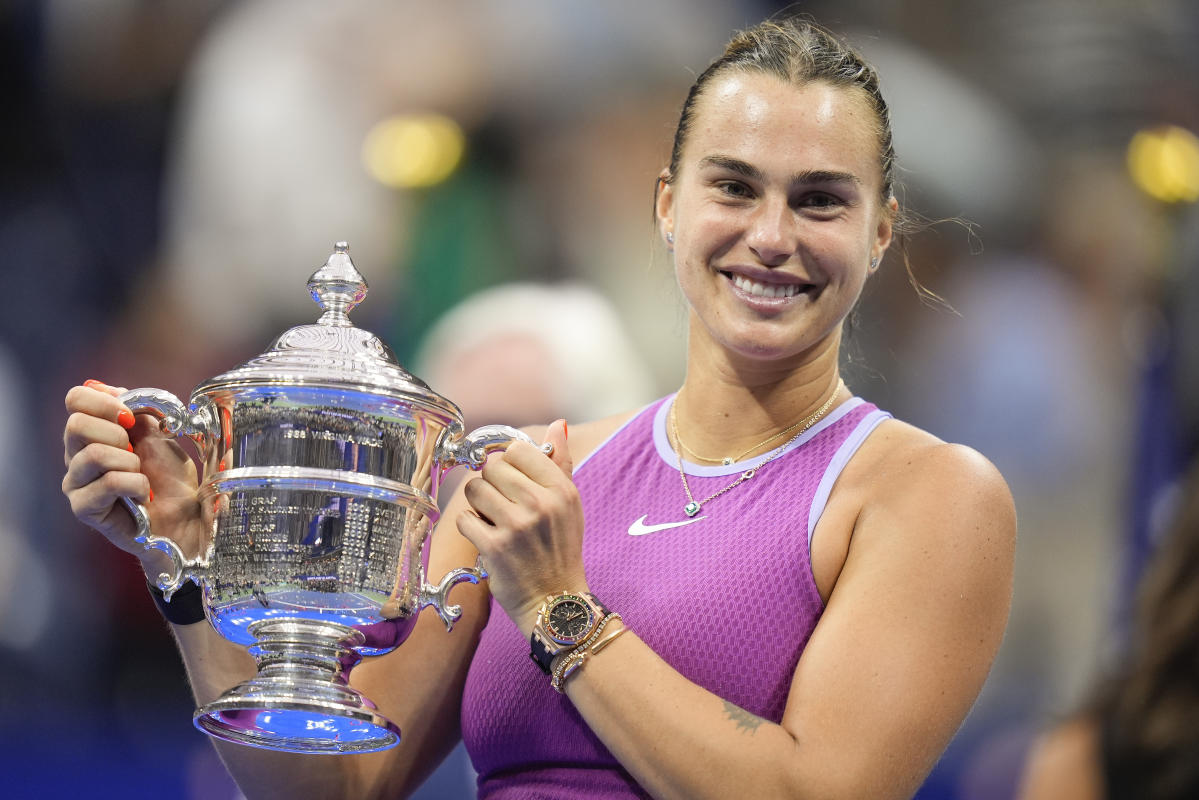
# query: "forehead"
{"type": "Point", "coordinates": [792, 128]}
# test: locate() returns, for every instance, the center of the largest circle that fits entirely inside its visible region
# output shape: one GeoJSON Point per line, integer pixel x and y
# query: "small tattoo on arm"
{"type": "Point", "coordinates": [745, 720]}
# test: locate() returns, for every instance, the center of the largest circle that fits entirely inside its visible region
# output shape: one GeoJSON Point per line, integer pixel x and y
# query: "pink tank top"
{"type": "Point", "coordinates": [727, 597]}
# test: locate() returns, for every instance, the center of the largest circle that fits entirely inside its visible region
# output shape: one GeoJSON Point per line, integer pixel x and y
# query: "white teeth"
{"type": "Point", "coordinates": [765, 289]}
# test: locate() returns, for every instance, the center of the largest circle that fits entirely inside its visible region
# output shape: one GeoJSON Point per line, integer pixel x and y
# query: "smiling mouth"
{"type": "Point", "coordinates": [758, 289]}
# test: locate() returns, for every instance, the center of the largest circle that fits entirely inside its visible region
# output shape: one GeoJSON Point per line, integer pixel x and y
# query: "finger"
{"type": "Point", "coordinates": [532, 460]}
{"type": "Point", "coordinates": [99, 402]}
{"type": "Point", "coordinates": [556, 435]}
{"type": "Point", "coordinates": [93, 502]}
{"type": "Point", "coordinates": [486, 500]}
{"type": "Point", "coordinates": [83, 429]}
{"type": "Point", "coordinates": [513, 484]}
{"type": "Point", "coordinates": [475, 530]}
{"type": "Point", "coordinates": [95, 460]}
{"type": "Point", "coordinates": [100, 386]}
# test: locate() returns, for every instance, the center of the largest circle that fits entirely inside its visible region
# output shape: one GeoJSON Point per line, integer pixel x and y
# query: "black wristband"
{"type": "Point", "coordinates": [186, 606]}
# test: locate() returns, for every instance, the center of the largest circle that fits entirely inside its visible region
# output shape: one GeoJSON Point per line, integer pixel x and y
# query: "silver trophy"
{"type": "Point", "coordinates": [320, 461]}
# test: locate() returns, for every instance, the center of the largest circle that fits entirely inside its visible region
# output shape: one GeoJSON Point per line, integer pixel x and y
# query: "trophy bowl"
{"type": "Point", "coordinates": [319, 464]}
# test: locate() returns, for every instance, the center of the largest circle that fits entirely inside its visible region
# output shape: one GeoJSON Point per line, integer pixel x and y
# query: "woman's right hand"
{"type": "Point", "coordinates": [111, 454]}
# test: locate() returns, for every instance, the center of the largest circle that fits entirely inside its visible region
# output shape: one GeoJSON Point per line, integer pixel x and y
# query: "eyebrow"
{"type": "Point", "coordinates": [753, 173]}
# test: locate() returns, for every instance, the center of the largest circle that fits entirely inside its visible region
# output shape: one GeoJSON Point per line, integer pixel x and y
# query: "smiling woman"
{"type": "Point", "coordinates": [771, 607]}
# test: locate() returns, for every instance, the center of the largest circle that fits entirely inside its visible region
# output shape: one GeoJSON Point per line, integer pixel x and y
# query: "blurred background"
{"type": "Point", "coordinates": [171, 172]}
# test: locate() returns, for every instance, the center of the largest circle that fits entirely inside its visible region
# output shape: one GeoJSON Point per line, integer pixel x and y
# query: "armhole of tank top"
{"type": "Point", "coordinates": [840, 458]}
{"type": "Point", "coordinates": [632, 418]}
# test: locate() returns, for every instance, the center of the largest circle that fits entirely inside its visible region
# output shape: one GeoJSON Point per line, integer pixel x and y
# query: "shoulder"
{"type": "Point", "coordinates": [906, 467]}
{"type": "Point", "coordinates": [1065, 763]}
{"type": "Point", "coordinates": [930, 507]}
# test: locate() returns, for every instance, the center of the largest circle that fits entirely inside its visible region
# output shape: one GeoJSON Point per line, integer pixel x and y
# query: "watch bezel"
{"type": "Point", "coordinates": [568, 597]}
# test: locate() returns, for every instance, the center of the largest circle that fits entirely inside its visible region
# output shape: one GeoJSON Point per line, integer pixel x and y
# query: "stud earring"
{"type": "Point", "coordinates": [873, 264]}
{"type": "Point", "coordinates": [669, 237]}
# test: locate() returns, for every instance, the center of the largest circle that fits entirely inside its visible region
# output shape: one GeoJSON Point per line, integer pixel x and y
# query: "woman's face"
{"type": "Point", "coordinates": [775, 212]}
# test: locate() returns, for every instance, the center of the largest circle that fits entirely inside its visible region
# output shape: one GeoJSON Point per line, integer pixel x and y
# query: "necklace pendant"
{"type": "Point", "coordinates": [691, 509]}
{"type": "Point", "coordinates": [726, 461]}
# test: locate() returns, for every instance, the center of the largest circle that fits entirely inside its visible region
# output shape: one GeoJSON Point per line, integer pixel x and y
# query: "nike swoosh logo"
{"type": "Point", "coordinates": [639, 528]}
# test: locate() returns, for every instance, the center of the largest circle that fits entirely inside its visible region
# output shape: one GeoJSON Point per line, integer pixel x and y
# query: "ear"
{"type": "Point", "coordinates": [664, 207]}
{"type": "Point", "coordinates": [885, 230]}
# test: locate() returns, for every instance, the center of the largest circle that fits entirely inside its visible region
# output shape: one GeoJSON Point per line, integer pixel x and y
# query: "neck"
{"type": "Point", "coordinates": [728, 404]}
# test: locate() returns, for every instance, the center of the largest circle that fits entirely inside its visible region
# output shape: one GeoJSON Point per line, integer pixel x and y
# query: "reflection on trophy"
{"type": "Point", "coordinates": [320, 461]}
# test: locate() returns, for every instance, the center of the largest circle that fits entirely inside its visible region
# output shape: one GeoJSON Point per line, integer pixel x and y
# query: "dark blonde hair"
{"type": "Point", "coordinates": [797, 51]}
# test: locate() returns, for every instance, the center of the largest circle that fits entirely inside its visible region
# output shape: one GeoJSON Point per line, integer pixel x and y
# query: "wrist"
{"type": "Point", "coordinates": [564, 622]}
{"type": "Point", "coordinates": [186, 606]}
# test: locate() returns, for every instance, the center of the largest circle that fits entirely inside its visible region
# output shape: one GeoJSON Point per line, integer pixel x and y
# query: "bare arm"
{"type": "Point", "coordinates": [418, 686]}
{"type": "Point", "coordinates": [893, 667]}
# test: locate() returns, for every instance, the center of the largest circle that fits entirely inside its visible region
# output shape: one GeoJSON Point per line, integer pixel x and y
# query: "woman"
{"type": "Point", "coordinates": [810, 592]}
{"type": "Point", "coordinates": [1137, 736]}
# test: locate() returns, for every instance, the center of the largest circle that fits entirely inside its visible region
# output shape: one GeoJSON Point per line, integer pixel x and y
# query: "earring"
{"type": "Point", "coordinates": [873, 264]}
{"type": "Point", "coordinates": [669, 237]}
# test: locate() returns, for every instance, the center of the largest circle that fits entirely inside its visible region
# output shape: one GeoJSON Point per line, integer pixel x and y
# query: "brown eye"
{"type": "Point", "coordinates": [734, 189]}
{"type": "Point", "coordinates": [821, 201]}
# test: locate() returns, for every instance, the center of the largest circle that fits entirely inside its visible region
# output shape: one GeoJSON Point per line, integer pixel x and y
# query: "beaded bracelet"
{"type": "Point", "coordinates": [186, 606]}
{"type": "Point", "coordinates": [568, 663]}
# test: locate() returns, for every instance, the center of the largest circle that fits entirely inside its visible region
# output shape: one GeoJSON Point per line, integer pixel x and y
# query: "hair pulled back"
{"type": "Point", "coordinates": [797, 51]}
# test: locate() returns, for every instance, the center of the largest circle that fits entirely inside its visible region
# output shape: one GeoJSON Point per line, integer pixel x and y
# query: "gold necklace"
{"type": "Point", "coordinates": [693, 506]}
{"type": "Point", "coordinates": [803, 424]}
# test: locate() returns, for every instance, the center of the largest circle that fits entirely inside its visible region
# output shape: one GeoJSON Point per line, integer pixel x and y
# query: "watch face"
{"type": "Point", "coordinates": [568, 619]}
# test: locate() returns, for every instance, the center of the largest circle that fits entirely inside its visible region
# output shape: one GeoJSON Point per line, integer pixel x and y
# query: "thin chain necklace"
{"type": "Point", "coordinates": [802, 424]}
{"type": "Point", "coordinates": [693, 506]}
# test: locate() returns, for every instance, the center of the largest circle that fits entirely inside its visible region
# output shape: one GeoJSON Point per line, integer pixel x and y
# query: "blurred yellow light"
{"type": "Point", "coordinates": [1164, 163]}
{"type": "Point", "coordinates": [413, 151]}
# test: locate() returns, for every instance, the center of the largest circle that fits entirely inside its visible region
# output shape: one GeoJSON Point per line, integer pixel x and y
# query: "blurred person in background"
{"type": "Point", "coordinates": [778, 205]}
{"type": "Point", "coordinates": [1137, 737]}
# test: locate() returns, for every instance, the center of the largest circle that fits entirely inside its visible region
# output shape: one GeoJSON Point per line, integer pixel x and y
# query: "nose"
{"type": "Point", "coordinates": [771, 234]}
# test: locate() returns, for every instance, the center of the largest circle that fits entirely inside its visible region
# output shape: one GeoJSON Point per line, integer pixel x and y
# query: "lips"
{"type": "Point", "coordinates": [768, 289]}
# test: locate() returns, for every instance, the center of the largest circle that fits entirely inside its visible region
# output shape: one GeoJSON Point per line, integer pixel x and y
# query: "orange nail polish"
{"type": "Point", "coordinates": [151, 496]}
{"type": "Point", "coordinates": [92, 383]}
{"type": "Point", "coordinates": [129, 447]}
{"type": "Point", "coordinates": [565, 429]}
{"type": "Point", "coordinates": [125, 419]}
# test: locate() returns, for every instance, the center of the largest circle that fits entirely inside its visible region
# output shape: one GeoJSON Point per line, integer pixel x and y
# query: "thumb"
{"type": "Point", "coordinates": [556, 435]}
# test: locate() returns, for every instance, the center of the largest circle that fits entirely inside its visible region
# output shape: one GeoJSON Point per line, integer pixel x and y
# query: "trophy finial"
{"type": "Point", "coordinates": [337, 287]}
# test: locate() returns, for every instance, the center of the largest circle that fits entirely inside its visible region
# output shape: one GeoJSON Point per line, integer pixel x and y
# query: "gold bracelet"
{"type": "Point", "coordinates": [602, 643]}
{"type": "Point", "coordinates": [566, 663]}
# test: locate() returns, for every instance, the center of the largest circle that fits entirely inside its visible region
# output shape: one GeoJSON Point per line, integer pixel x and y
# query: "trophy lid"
{"type": "Point", "coordinates": [332, 353]}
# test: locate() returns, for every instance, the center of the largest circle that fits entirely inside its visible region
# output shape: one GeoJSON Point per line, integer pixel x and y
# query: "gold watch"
{"type": "Point", "coordinates": [563, 621]}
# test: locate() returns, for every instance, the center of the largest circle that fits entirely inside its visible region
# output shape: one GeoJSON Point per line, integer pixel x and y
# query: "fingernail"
{"type": "Point", "coordinates": [92, 383]}
{"type": "Point", "coordinates": [565, 429]}
{"type": "Point", "coordinates": [151, 495]}
{"type": "Point", "coordinates": [125, 419]}
{"type": "Point", "coordinates": [129, 447]}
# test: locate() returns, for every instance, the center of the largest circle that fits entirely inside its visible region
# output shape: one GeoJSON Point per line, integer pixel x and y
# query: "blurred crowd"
{"type": "Point", "coordinates": [172, 172]}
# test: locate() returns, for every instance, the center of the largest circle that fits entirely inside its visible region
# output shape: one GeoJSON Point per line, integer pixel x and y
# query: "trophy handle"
{"type": "Point", "coordinates": [472, 450]}
{"type": "Point", "coordinates": [438, 596]}
{"type": "Point", "coordinates": [174, 419]}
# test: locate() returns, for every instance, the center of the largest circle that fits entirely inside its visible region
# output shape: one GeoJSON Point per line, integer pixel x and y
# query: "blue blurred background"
{"type": "Point", "coordinates": [172, 172]}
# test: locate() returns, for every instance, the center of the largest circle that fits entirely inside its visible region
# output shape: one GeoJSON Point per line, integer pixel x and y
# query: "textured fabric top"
{"type": "Point", "coordinates": [727, 598]}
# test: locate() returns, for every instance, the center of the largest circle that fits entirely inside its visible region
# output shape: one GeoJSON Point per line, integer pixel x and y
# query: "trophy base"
{"type": "Point", "coordinates": [300, 702]}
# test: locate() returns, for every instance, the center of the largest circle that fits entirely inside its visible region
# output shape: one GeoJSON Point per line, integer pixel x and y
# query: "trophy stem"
{"type": "Point", "coordinates": [300, 700]}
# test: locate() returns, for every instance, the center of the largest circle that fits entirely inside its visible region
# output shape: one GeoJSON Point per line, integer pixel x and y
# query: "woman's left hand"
{"type": "Point", "coordinates": [527, 524]}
